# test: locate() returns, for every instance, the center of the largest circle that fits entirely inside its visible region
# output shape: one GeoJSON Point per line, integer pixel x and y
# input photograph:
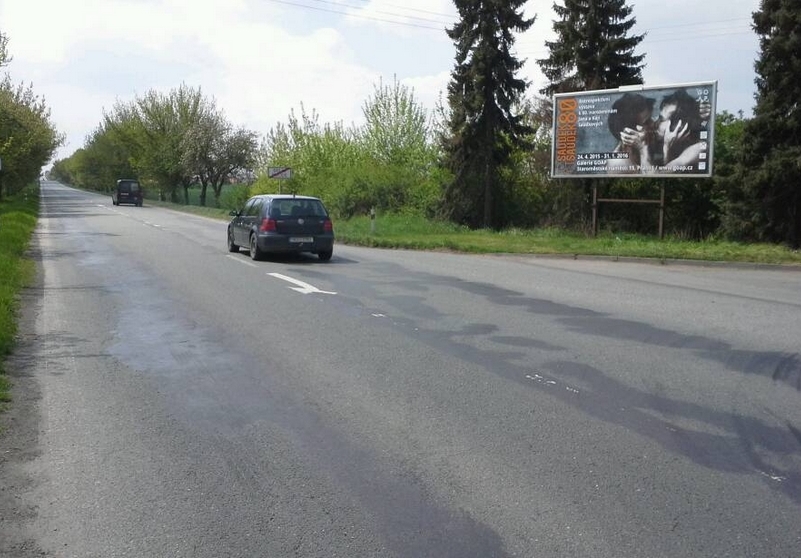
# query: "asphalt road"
{"type": "Point", "coordinates": [174, 400]}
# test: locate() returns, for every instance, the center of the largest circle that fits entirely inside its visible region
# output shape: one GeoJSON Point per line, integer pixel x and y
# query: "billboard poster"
{"type": "Point", "coordinates": [635, 131]}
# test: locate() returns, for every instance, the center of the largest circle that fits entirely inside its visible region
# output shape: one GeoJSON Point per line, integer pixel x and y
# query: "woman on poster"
{"type": "Point", "coordinates": [671, 143]}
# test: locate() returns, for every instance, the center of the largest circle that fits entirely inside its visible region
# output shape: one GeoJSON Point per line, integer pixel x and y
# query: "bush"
{"type": "Point", "coordinates": [235, 196]}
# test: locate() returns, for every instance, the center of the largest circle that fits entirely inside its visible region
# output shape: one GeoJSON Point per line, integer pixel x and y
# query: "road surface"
{"type": "Point", "coordinates": [172, 399]}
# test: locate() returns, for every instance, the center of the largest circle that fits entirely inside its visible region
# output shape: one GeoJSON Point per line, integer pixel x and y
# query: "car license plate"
{"type": "Point", "coordinates": [301, 239]}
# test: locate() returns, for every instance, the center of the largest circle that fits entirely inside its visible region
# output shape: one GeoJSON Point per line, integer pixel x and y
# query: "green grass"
{"type": "Point", "coordinates": [18, 216]}
{"type": "Point", "coordinates": [396, 231]}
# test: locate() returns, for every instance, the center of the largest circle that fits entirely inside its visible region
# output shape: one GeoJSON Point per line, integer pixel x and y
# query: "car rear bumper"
{"type": "Point", "coordinates": [127, 201]}
{"type": "Point", "coordinates": [288, 244]}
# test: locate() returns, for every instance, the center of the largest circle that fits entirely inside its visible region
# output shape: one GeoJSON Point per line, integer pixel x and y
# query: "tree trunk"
{"type": "Point", "coordinates": [489, 167]}
{"type": "Point", "coordinates": [795, 216]}
{"type": "Point", "coordinates": [487, 195]}
{"type": "Point", "coordinates": [217, 187]}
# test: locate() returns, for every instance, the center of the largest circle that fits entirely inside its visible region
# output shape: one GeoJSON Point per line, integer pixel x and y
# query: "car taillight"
{"type": "Point", "coordinates": [328, 226]}
{"type": "Point", "coordinates": [267, 225]}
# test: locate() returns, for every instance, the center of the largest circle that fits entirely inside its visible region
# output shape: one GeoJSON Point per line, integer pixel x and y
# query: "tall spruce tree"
{"type": "Point", "coordinates": [771, 156]}
{"type": "Point", "coordinates": [593, 48]}
{"type": "Point", "coordinates": [483, 129]}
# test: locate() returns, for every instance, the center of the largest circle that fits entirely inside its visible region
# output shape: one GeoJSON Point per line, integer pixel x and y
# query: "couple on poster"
{"type": "Point", "coordinates": [675, 141]}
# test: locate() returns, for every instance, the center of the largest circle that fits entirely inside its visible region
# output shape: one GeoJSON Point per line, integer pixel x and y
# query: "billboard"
{"type": "Point", "coordinates": [635, 131]}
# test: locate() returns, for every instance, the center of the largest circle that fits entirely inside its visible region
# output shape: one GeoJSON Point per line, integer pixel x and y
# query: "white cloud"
{"type": "Point", "coordinates": [429, 89]}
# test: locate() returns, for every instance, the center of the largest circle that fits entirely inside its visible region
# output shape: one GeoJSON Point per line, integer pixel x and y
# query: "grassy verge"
{"type": "Point", "coordinates": [417, 233]}
{"type": "Point", "coordinates": [18, 216]}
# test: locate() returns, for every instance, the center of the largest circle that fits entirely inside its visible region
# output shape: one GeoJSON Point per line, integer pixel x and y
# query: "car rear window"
{"type": "Point", "coordinates": [128, 186]}
{"type": "Point", "coordinates": [298, 208]}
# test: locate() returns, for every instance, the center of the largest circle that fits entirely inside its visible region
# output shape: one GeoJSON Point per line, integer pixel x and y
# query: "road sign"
{"type": "Point", "coordinates": [279, 172]}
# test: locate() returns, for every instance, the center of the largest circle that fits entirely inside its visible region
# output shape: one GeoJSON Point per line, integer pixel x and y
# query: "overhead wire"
{"type": "Point", "coordinates": [362, 16]}
{"type": "Point", "coordinates": [400, 7]}
{"type": "Point", "coordinates": [698, 34]}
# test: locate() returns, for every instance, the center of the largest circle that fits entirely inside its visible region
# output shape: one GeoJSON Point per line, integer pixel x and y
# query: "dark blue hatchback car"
{"type": "Point", "coordinates": [129, 191]}
{"type": "Point", "coordinates": [281, 224]}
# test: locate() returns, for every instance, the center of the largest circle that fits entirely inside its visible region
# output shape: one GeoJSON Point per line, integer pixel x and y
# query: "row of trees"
{"type": "Point", "coordinates": [757, 192]}
{"type": "Point", "coordinates": [178, 140]}
{"type": "Point", "coordinates": [170, 141]}
{"type": "Point", "coordinates": [497, 139]}
{"type": "Point", "coordinates": [482, 157]}
{"type": "Point", "coordinates": [389, 162]}
{"type": "Point", "coordinates": [28, 139]}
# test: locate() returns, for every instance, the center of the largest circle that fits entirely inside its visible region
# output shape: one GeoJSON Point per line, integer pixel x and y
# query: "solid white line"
{"type": "Point", "coordinates": [240, 260]}
{"type": "Point", "coordinates": [302, 287]}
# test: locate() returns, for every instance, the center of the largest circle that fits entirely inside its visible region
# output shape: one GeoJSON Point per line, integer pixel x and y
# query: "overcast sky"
{"type": "Point", "coordinates": [260, 59]}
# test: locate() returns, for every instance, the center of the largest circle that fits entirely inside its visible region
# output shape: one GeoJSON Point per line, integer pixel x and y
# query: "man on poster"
{"type": "Point", "coordinates": [625, 133]}
{"type": "Point", "coordinates": [671, 143]}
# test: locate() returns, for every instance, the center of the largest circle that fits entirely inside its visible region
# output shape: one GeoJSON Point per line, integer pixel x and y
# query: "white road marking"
{"type": "Point", "coordinates": [302, 287]}
{"type": "Point", "coordinates": [117, 211]}
{"type": "Point", "coordinates": [539, 379]}
{"type": "Point", "coordinates": [775, 478]}
{"type": "Point", "coordinates": [243, 262]}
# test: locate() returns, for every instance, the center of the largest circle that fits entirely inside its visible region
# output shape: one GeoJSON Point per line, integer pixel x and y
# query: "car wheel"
{"type": "Point", "coordinates": [232, 247]}
{"type": "Point", "coordinates": [255, 253]}
{"type": "Point", "coordinates": [325, 255]}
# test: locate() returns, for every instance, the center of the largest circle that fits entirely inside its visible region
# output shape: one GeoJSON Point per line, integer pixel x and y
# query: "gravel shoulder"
{"type": "Point", "coordinates": [19, 431]}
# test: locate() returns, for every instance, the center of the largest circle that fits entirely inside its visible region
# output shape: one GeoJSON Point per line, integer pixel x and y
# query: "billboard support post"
{"type": "Point", "coordinates": [596, 201]}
